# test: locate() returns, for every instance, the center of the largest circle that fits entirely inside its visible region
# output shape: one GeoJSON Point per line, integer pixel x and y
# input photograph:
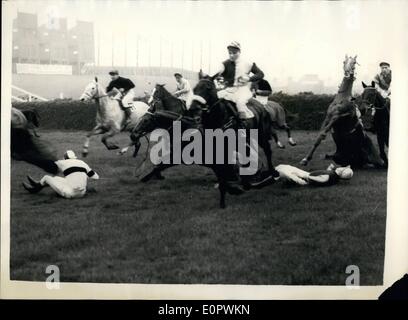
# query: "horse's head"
{"type": "Point", "coordinates": [91, 91]}
{"type": "Point", "coordinates": [370, 97]}
{"type": "Point", "coordinates": [349, 65]}
{"type": "Point", "coordinates": [214, 111]}
{"type": "Point", "coordinates": [158, 93]}
{"type": "Point", "coordinates": [205, 92]}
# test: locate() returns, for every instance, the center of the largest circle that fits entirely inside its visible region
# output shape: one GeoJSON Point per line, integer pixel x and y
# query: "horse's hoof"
{"type": "Point", "coordinates": [84, 154]}
{"type": "Point", "coordinates": [265, 181]}
{"type": "Point", "coordinates": [304, 162]}
{"type": "Point", "coordinates": [158, 176]}
{"type": "Point", "coordinates": [113, 147]}
{"type": "Point", "coordinates": [281, 146]}
{"type": "Point", "coordinates": [292, 142]}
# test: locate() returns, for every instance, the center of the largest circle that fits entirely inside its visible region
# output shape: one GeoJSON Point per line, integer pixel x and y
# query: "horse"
{"type": "Point", "coordinates": [25, 144]}
{"type": "Point", "coordinates": [371, 98]}
{"type": "Point", "coordinates": [220, 113]}
{"type": "Point", "coordinates": [165, 110]}
{"type": "Point", "coordinates": [110, 118]}
{"type": "Point", "coordinates": [354, 147]}
{"type": "Point", "coordinates": [278, 119]}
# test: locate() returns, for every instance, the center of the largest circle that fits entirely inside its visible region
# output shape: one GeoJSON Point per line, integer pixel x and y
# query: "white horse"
{"type": "Point", "coordinates": [110, 118]}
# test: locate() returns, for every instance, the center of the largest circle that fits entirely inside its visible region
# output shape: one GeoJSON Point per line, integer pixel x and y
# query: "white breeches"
{"type": "Point", "coordinates": [262, 99]}
{"type": "Point", "coordinates": [239, 95]}
{"type": "Point", "coordinates": [62, 186]}
{"type": "Point", "coordinates": [128, 99]}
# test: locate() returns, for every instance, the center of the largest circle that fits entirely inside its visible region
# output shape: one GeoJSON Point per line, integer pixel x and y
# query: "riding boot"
{"type": "Point", "coordinates": [128, 113]}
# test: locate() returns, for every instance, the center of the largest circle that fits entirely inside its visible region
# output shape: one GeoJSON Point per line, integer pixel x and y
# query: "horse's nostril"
{"type": "Point", "coordinates": [82, 99]}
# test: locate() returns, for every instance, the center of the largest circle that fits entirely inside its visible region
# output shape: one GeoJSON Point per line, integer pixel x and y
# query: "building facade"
{"type": "Point", "coordinates": [52, 43]}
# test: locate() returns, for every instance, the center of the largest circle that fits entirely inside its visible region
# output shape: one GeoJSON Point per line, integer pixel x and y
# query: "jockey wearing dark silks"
{"type": "Point", "coordinates": [382, 82]}
{"type": "Point", "coordinates": [126, 90]}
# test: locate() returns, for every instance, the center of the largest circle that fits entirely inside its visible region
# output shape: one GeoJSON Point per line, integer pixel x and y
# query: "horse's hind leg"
{"type": "Point", "coordinates": [223, 190]}
{"type": "Point", "coordinates": [290, 139]}
{"type": "Point", "coordinates": [109, 134]}
{"type": "Point", "coordinates": [275, 137]}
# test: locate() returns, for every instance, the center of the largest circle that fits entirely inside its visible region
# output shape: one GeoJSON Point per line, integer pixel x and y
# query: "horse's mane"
{"type": "Point", "coordinates": [165, 92]}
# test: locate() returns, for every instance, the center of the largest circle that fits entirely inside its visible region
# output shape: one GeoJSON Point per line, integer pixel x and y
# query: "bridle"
{"type": "Point", "coordinates": [208, 108]}
{"type": "Point", "coordinates": [370, 104]}
{"type": "Point", "coordinates": [94, 96]}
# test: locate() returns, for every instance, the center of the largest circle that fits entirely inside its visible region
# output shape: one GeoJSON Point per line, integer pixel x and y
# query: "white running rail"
{"type": "Point", "coordinates": [30, 95]}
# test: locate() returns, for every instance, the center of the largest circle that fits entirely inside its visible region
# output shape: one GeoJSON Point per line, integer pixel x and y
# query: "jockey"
{"type": "Point", "coordinates": [382, 82]}
{"type": "Point", "coordinates": [124, 88]}
{"type": "Point", "coordinates": [261, 91]}
{"type": "Point", "coordinates": [235, 74]}
{"type": "Point", "coordinates": [73, 185]}
{"type": "Point", "coordinates": [184, 91]}
{"type": "Point", "coordinates": [317, 178]}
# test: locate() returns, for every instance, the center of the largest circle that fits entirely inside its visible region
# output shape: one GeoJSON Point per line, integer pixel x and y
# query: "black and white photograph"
{"type": "Point", "coordinates": [247, 143]}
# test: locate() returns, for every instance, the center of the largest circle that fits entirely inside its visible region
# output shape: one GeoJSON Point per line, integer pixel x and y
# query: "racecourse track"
{"type": "Point", "coordinates": [172, 231]}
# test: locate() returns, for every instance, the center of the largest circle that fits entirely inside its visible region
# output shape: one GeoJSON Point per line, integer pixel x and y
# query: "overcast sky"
{"type": "Point", "coordinates": [286, 39]}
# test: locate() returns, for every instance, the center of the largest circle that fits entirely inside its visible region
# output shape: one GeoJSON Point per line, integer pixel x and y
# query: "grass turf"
{"type": "Point", "coordinates": [172, 231]}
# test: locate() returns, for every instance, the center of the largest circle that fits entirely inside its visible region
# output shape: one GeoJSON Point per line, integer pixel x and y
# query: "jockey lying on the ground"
{"type": "Point", "coordinates": [317, 178]}
{"type": "Point", "coordinates": [73, 185]}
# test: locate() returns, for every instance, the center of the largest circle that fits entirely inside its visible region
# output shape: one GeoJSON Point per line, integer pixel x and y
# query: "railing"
{"type": "Point", "coordinates": [29, 94]}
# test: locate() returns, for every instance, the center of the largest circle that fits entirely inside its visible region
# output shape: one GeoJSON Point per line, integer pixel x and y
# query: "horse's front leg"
{"type": "Point", "coordinates": [109, 145]}
{"type": "Point", "coordinates": [381, 146]}
{"type": "Point", "coordinates": [268, 154]}
{"type": "Point", "coordinates": [137, 147]}
{"type": "Point", "coordinates": [135, 141]}
{"type": "Point", "coordinates": [156, 172]}
{"type": "Point", "coordinates": [95, 131]}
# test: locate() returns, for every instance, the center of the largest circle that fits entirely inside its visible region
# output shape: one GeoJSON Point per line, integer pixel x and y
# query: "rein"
{"type": "Point", "coordinates": [372, 104]}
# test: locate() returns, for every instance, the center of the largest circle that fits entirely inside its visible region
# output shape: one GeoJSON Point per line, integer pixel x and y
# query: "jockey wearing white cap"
{"type": "Point", "coordinates": [73, 185]}
{"type": "Point", "coordinates": [235, 73]}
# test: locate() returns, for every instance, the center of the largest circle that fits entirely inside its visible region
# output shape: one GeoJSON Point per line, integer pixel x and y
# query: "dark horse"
{"type": "Point", "coordinates": [371, 98]}
{"type": "Point", "coordinates": [165, 109]}
{"type": "Point", "coordinates": [353, 146]}
{"type": "Point", "coordinates": [217, 113]}
{"type": "Point", "coordinates": [25, 144]}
